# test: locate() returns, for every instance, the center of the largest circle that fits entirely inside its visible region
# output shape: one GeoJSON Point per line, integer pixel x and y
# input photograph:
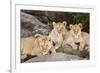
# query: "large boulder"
{"type": "Point", "coordinates": [50, 16]}
{"type": "Point", "coordinates": [54, 57]}
{"type": "Point", "coordinates": [32, 24]}
{"type": "Point", "coordinates": [25, 33]}
{"type": "Point", "coordinates": [69, 50]}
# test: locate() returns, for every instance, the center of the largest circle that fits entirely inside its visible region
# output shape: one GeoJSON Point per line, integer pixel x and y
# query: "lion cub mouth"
{"type": "Point", "coordinates": [60, 31]}
{"type": "Point", "coordinates": [53, 43]}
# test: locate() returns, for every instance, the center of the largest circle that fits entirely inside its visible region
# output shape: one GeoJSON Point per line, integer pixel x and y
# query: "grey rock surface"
{"type": "Point", "coordinates": [69, 50]}
{"type": "Point", "coordinates": [25, 33]}
{"type": "Point", "coordinates": [54, 57]}
{"type": "Point", "coordinates": [32, 24]}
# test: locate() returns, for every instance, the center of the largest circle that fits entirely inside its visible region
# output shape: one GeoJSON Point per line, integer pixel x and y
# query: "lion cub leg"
{"type": "Point", "coordinates": [23, 56]}
{"type": "Point", "coordinates": [45, 52]}
{"type": "Point", "coordinates": [56, 46]}
{"type": "Point", "coordinates": [73, 45]}
{"type": "Point", "coordinates": [70, 41]}
{"type": "Point", "coordinates": [53, 50]}
{"type": "Point", "coordinates": [83, 46]}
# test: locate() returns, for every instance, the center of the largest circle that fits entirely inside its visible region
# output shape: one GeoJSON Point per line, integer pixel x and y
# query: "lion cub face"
{"type": "Point", "coordinates": [59, 27]}
{"type": "Point", "coordinates": [46, 43]}
{"type": "Point", "coordinates": [75, 29]}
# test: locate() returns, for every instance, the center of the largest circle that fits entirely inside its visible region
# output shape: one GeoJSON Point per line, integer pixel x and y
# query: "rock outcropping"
{"type": "Point", "coordinates": [32, 25]}
{"type": "Point", "coordinates": [54, 57]}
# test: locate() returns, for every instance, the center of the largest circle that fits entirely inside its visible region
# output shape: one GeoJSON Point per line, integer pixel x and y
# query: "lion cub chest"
{"type": "Point", "coordinates": [56, 37]}
{"type": "Point", "coordinates": [57, 33]}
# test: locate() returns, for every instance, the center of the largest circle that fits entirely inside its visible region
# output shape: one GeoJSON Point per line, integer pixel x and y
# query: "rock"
{"type": "Point", "coordinates": [68, 50]}
{"type": "Point", "coordinates": [30, 19]}
{"type": "Point", "coordinates": [32, 24]}
{"type": "Point", "coordinates": [25, 33]}
{"type": "Point", "coordinates": [50, 16]}
{"type": "Point", "coordinates": [54, 57]}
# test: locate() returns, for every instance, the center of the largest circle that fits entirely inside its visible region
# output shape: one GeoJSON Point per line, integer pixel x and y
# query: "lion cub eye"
{"type": "Point", "coordinates": [49, 39]}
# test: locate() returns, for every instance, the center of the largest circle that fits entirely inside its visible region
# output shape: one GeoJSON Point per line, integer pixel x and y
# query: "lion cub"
{"type": "Point", "coordinates": [37, 45]}
{"type": "Point", "coordinates": [56, 34]}
{"type": "Point", "coordinates": [77, 37]}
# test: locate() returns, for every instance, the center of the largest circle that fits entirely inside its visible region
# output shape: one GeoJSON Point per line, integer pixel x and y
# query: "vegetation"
{"type": "Point", "coordinates": [82, 18]}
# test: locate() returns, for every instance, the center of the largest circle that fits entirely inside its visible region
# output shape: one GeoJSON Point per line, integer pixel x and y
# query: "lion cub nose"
{"type": "Point", "coordinates": [77, 43]}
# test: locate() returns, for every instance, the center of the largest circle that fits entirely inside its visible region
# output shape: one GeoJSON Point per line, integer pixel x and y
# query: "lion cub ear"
{"type": "Point", "coordinates": [38, 35]}
{"type": "Point", "coordinates": [54, 23]}
{"type": "Point", "coordinates": [71, 26]}
{"type": "Point", "coordinates": [80, 25]}
{"type": "Point", "coordinates": [65, 23]}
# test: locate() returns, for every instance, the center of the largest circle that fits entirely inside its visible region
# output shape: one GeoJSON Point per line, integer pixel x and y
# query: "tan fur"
{"type": "Point", "coordinates": [38, 45]}
{"type": "Point", "coordinates": [56, 34]}
{"type": "Point", "coordinates": [77, 36]}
